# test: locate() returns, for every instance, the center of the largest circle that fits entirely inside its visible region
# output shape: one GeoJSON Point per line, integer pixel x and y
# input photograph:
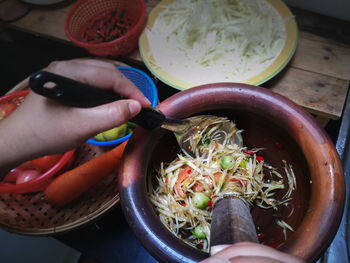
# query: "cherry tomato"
{"type": "Point", "coordinates": [6, 109]}
{"type": "Point", "coordinates": [12, 175]}
{"type": "Point", "coordinates": [46, 162]}
{"type": "Point", "coordinates": [27, 165]}
{"type": "Point", "coordinates": [27, 175]}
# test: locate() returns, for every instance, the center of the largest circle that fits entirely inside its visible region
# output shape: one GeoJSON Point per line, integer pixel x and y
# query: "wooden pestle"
{"type": "Point", "coordinates": [231, 222]}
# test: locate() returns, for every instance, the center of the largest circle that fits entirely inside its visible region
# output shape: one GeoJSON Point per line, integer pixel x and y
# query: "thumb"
{"type": "Point", "coordinates": [110, 115]}
{"type": "Point", "coordinates": [134, 108]}
{"type": "Point", "coordinates": [122, 111]}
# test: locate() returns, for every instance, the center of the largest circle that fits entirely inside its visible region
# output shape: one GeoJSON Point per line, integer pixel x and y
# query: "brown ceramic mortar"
{"type": "Point", "coordinates": [285, 130]}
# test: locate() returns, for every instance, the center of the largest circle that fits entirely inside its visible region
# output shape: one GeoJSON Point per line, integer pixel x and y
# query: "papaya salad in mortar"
{"type": "Point", "coordinates": [189, 186]}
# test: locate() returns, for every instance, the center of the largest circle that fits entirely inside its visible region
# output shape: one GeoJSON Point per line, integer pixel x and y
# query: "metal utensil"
{"type": "Point", "coordinates": [77, 94]}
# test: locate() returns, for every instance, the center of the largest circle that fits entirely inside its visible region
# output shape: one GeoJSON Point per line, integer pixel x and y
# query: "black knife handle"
{"type": "Point", "coordinates": [77, 94]}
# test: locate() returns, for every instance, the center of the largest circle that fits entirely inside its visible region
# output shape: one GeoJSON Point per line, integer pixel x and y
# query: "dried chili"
{"type": "Point", "coordinates": [106, 27]}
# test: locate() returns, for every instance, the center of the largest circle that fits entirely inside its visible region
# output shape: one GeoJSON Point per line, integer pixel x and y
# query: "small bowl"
{"type": "Point", "coordinates": [78, 17]}
{"type": "Point", "coordinates": [268, 120]}
{"type": "Point", "coordinates": [40, 182]}
{"type": "Point", "coordinates": [144, 83]}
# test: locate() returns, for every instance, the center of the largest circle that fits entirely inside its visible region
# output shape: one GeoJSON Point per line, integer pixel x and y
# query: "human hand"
{"type": "Point", "coordinates": [247, 252]}
{"type": "Point", "coordinates": [41, 126]}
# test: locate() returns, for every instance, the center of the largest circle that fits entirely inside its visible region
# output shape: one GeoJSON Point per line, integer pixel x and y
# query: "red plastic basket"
{"type": "Point", "coordinates": [40, 182]}
{"type": "Point", "coordinates": [82, 11]}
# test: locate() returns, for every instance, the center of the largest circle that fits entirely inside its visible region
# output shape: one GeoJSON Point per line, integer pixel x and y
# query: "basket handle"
{"type": "Point", "coordinates": [77, 94]}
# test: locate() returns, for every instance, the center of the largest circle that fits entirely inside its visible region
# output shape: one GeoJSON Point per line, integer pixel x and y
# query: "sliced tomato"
{"type": "Point", "coordinates": [6, 109]}
{"type": "Point", "coordinates": [46, 162]}
{"type": "Point", "coordinates": [183, 175]}
{"type": "Point", "coordinates": [217, 177]}
{"type": "Point", "coordinates": [197, 187]}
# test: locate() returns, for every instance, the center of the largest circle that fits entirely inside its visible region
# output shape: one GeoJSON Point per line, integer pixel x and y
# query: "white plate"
{"type": "Point", "coordinates": [178, 81]}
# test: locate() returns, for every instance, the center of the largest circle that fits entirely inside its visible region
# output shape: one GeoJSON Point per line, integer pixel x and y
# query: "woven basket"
{"type": "Point", "coordinates": [31, 214]}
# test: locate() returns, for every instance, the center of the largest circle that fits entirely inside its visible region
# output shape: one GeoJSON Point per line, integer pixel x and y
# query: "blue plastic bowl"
{"type": "Point", "coordinates": [144, 83]}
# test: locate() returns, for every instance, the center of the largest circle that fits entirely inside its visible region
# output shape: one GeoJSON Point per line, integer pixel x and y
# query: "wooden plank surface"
{"type": "Point", "coordinates": [324, 58]}
{"type": "Point", "coordinates": [46, 21]}
{"type": "Point", "coordinates": [317, 78]}
{"type": "Point", "coordinates": [317, 93]}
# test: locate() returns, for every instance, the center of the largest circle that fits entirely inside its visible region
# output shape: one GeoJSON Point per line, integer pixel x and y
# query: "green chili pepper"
{"type": "Point", "coordinates": [243, 163]}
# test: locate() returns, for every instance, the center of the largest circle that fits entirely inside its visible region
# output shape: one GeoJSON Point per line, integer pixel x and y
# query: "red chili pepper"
{"type": "Point", "coordinates": [260, 158]}
{"type": "Point", "coordinates": [122, 13]}
{"type": "Point", "coordinates": [122, 26]}
{"type": "Point", "coordinates": [112, 21]}
{"type": "Point", "coordinates": [275, 244]}
{"type": "Point", "coordinates": [92, 34]}
{"type": "Point", "coordinates": [84, 37]}
{"type": "Point", "coordinates": [233, 179]}
{"type": "Point", "coordinates": [237, 180]}
{"type": "Point", "coordinates": [248, 152]}
{"type": "Point", "coordinates": [183, 204]}
{"type": "Point", "coordinates": [261, 235]}
{"type": "Point", "coordinates": [279, 146]}
{"type": "Point", "coordinates": [105, 20]}
{"type": "Point", "coordinates": [97, 18]}
{"type": "Point", "coordinates": [210, 204]}
{"type": "Point", "coordinates": [105, 34]}
{"type": "Point", "coordinates": [115, 32]}
{"type": "Point", "coordinates": [96, 25]}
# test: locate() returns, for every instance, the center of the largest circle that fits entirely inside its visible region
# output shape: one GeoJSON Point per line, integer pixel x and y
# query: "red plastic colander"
{"type": "Point", "coordinates": [83, 11]}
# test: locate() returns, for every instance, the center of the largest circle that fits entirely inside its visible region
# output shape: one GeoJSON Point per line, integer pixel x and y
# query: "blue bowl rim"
{"type": "Point", "coordinates": [154, 103]}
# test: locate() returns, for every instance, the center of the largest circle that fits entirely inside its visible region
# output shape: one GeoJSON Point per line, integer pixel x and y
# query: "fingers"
{"type": "Point", "coordinates": [99, 74]}
{"type": "Point", "coordinates": [247, 249]}
{"type": "Point", "coordinates": [257, 259]}
{"type": "Point", "coordinates": [217, 249]}
{"type": "Point", "coordinates": [242, 259]}
{"type": "Point", "coordinates": [53, 127]}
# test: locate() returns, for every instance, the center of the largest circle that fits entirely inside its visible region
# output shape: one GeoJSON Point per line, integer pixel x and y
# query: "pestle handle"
{"type": "Point", "coordinates": [231, 223]}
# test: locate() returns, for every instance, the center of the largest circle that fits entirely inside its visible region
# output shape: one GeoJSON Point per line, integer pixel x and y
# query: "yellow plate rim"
{"type": "Point", "coordinates": [272, 70]}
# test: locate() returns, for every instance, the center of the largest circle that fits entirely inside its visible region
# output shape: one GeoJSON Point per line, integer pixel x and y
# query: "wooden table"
{"type": "Point", "coordinates": [317, 78]}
